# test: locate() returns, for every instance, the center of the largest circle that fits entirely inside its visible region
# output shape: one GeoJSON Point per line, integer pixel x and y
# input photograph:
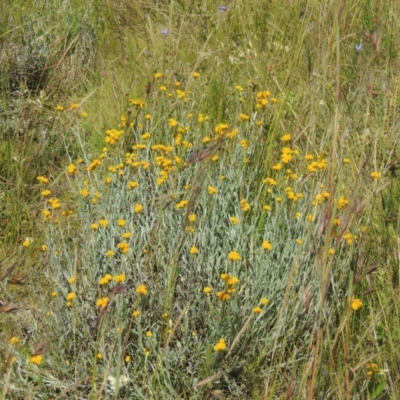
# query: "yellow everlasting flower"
{"type": "Point", "coordinates": [267, 245]}
{"type": "Point", "coordinates": [102, 302]}
{"type": "Point", "coordinates": [234, 256]}
{"type": "Point", "coordinates": [212, 190]}
{"type": "Point", "coordinates": [141, 289]}
{"type": "Point", "coordinates": [234, 220]}
{"type": "Point", "coordinates": [70, 296]}
{"type": "Point", "coordinates": [375, 175]}
{"type": "Point", "coordinates": [356, 304]}
{"type": "Point", "coordinates": [138, 208]}
{"type": "Point", "coordinates": [14, 340]}
{"type": "Point", "coordinates": [36, 360]}
{"type": "Point", "coordinates": [105, 279]}
{"type": "Point", "coordinates": [220, 346]}
{"type": "Point", "coordinates": [119, 278]}
{"type": "Point", "coordinates": [193, 250]}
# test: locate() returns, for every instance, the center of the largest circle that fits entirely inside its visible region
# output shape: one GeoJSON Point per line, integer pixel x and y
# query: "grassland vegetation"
{"type": "Point", "coordinates": [199, 200]}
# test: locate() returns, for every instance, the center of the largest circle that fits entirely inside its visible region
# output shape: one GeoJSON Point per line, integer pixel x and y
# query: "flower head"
{"type": "Point", "coordinates": [102, 302]}
{"type": "Point", "coordinates": [141, 289]}
{"type": "Point", "coordinates": [356, 304]}
{"type": "Point", "coordinates": [220, 346]}
{"type": "Point", "coordinates": [234, 256]}
{"type": "Point", "coordinates": [36, 360]}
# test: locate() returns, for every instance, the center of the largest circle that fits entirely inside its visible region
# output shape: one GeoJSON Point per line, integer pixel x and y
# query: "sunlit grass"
{"type": "Point", "coordinates": [214, 213]}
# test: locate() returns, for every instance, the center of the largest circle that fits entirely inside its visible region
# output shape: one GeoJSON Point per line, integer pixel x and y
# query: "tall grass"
{"type": "Point", "coordinates": [177, 258]}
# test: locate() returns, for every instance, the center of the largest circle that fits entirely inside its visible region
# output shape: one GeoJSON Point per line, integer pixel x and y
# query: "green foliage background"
{"type": "Point", "coordinates": [337, 103]}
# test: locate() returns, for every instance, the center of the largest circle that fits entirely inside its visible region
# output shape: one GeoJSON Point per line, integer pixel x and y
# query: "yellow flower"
{"type": "Point", "coordinates": [286, 138]}
{"type": "Point", "coordinates": [119, 278]}
{"type": "Point", "coordinates": [27, 242]}
{"type": "Point", "coordinates": [244, 143]}
{"type": "Point", "coordinates": [110, 253]}
{"type": "Point", "coordinates": [299, 241]}
{"type": "Point", "coordinates": [192, 217]}
{"type": "Point", "coordinates": [146, 136]}
{"type": "Point", "coordinates": [141, 289]}
{"type": "Point", "coordinates": [127, 359]}
{"type": "Point", "coordinates": [356, 304]}
{"type": "Point", "coordinates": [267, 245]}
{"type": "Point", "coordinates": [264, 301]}
{"type": "Point", "coordinates": [346, 160]}
{"type": "Point", "coordinates": [84, 114]}
{"type": "Point", "coordinates": [267, 207]}
{"type": "Point", "coordinates": [93, 165]}
{"type": "Point", "coordinates": [136, 313]}
{"type": "Point", "coordinates": [220, 346]}
{"type": "Point", "coordinates": [375, 175]}
{"type": "Point", "coordinates": [256, 310]}
{"type": "Point", "coordinates": [94, 226]}
{"type": "Point", "coordinates": [123, 247]}
{"type": "Point", "coordinates": [59, 108]}
{"type": "Point", "coordinates": [102, 302]}
{"type": "Point", "coordinates": [149, 334]}
{"type": "Point", "coordinates": [234, 256]}
{"type": "Point", "coordinates": [70, 296]}
{"type": "Point", "coordinates": [331, 252]}
{"type": "Point", "coordinates": [270, 181]}
{"type": "Point", "coordinates": [14, 340]}
{"type": "Point", "coordinates": [121, 222]}
{"type": "Point", "coordinates": [158, 75]}
{"type": "Point", "coordinates": [46, 193]}
{"type": "Point", "coordinates": [132, 184]}
{"type": "Point", "coordinates": [72, 279]}
{"type": "Point", "coordinates": [223, 296]}
{"type": "Point", "coordinates": [99, 355]}
{"type": "Point", "coordinates": [127, 235]}
{"type": "Point", "coordinates": [172, 122]}
{"type": "Point", "coordinates": [42, 179]}
{"type": "Point", "coordinates": [84, 193]}
{"type": "Point", "coordinates": [138, 208]}
{"type": "Point", "coordinates": [36, 360]}
{"type": "Point", "coordinates": [245, 205]}
{"type": "Point", "coordinates": [53, 294]}
{"type": "Point", "coordinates": [182, 203]}
{"type": "Point", "coordinates": [105, 279]}
{"type": "Point", "coordinates": [103, 223]}
{"type": "Point", "coordinates": [193, 250]}
{"type": "Point", "coordinates": [207, 290]}
{"type": "Point", "coordinates": [234, 220]}
{"type": "Point", "coordinates": [277, 167]}
{"type": "Point", "coordinates": [342, 202]}
{"type": "Point", "coordinates": [137, 102]}
{"type": "Point", "coordinates": [195, 74]}
{"type": "Point", "coordinates": [212, 190]}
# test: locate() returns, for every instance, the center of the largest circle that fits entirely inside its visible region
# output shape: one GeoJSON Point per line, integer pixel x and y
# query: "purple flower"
{"type": "Point", "coordinates": [222, 9]}
{"type": "Point", "coordinates": [358, 47]}
{"type": "Point", "coordinates": [164, 31]}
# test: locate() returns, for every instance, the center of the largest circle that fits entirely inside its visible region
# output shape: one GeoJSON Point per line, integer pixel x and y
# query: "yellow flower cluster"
{"type": "Point", "coordinates": [231, 282]}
